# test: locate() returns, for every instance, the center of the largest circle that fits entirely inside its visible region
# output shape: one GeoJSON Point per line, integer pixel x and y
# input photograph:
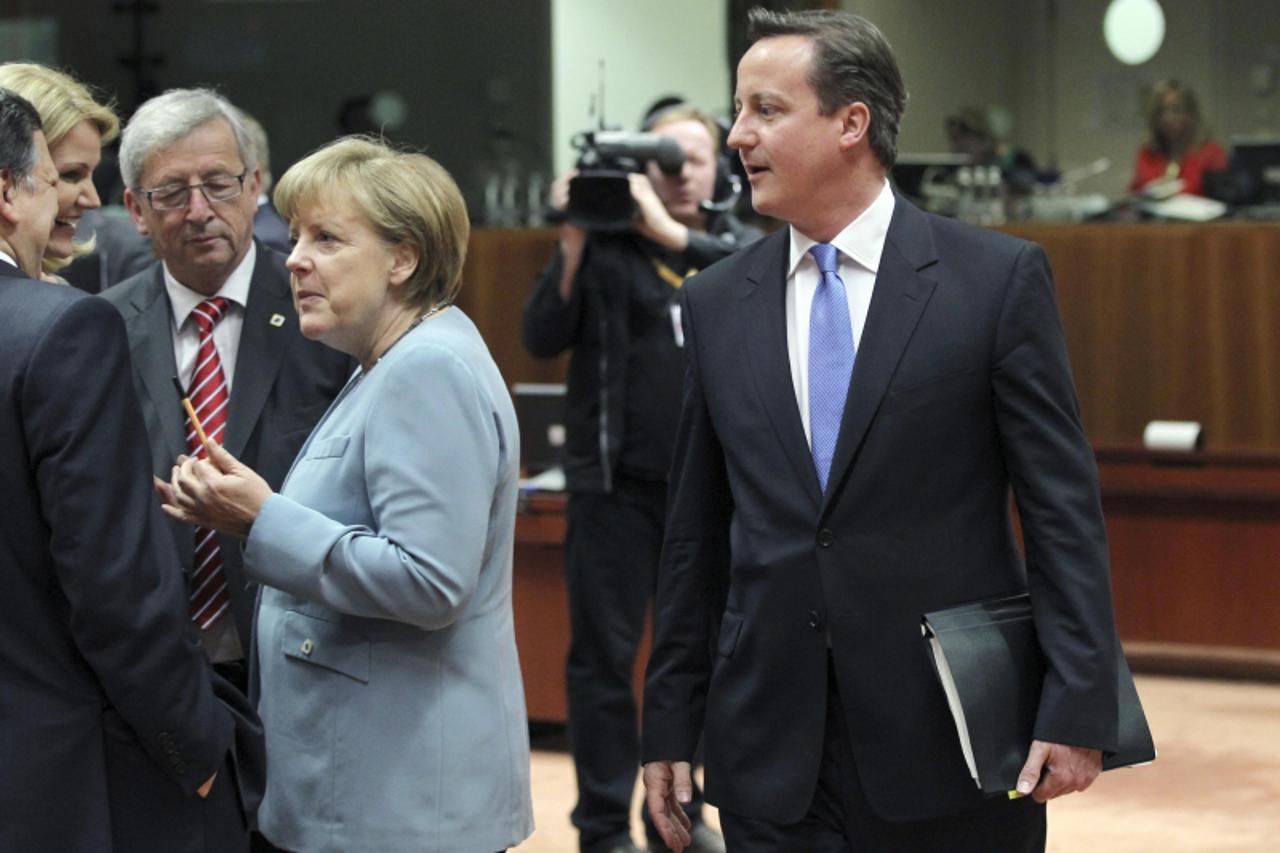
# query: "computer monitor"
{"type": "Point", "coordinates": [1255, 169]}
{"type": "Point", "coordinates": [540, 412]}
{"type": "Point", "coordinates": [913, 173]}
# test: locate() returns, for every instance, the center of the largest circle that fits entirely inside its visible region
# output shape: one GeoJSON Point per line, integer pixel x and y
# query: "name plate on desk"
{"type": "Point", "coordinates": [1173, 436]}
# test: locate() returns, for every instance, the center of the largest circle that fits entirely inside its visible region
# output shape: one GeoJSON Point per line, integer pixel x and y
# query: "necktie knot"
{"type": "Point", "coordinates": [209, 312]}
{"type": "Point", "coordinates": [827, 256]}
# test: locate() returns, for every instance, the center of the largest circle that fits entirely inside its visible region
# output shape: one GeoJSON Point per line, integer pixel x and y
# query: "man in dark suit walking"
{"type": "Point", "coordinates": [111, 737]}
{"type": "Point", "coordinates": [216, 313]}
{"type": "Point", "coordinates": [863, 390]}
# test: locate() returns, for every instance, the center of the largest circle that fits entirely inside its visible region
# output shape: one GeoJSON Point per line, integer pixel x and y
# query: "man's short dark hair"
{"type": "Point", "coordinates": [852, 62]}
{"type": "Point", "coordinates": [19, 122]}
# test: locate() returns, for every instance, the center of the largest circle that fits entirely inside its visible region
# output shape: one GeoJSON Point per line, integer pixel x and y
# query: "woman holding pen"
{"type": "Point", "coordinates": [390, 687]}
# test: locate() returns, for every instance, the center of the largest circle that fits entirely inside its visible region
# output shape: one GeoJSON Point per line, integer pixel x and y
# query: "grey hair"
{"type": "Point", "coordinates": [261, 147]}
{"type": "Point", "coordinates": [167, 118]}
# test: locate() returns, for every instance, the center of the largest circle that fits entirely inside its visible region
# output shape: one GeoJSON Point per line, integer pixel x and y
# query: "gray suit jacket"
{"type": "Point", "coordinates": [390, 687]}
{"type": "Point", "coordinates": [282, 386]}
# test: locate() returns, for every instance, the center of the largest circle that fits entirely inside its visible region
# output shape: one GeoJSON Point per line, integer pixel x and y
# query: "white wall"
{"type": "Point", "coordinates": [1071, 101]}
{"type": "Point", "coordinates": [651, 48]}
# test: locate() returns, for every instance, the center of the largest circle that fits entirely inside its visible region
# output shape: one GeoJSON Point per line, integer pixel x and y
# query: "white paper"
{"type": "Point", "coordinates": [1179, 436]}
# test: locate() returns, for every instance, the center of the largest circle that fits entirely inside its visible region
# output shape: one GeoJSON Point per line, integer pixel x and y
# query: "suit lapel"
{"type": "Point", "coordinates": [262, 347]}
{"type": "Point", "coordinates": [900, 296]}
{"type": "Point", "coordinates": [766, 341]}
{"type": "Point", "coordinates": [151, 333]}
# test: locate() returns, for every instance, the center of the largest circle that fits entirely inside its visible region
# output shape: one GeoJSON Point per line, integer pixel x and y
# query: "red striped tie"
{"type": "Point", "coordinates": [208, 394]}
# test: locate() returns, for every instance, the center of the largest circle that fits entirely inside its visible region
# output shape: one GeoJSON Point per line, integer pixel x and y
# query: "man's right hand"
{"type": "Point", "coordinates": [668, 787]}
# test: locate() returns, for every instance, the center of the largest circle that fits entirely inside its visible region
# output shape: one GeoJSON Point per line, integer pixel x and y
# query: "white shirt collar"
{"type": "Point", "coordinates": [5, 256]}
{"type": "Point", "coordinates": [862, 240]}
{"type": "Point", "coordinates": [235, 289]}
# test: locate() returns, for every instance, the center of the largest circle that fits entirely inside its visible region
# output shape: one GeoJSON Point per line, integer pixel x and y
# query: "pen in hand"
{"type": "Point", "coordinates": [191, 413]}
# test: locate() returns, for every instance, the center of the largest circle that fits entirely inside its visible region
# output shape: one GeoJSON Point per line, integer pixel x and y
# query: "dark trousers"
{"type": "Point", "coordinates": [840, 820]}
{"type": "Point", "coordinates": [612, 547]}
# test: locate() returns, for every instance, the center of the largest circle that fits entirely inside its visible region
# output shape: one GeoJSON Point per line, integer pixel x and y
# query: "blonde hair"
{"type": "Point", "coordinates": [1197, 134]}
{"type": "Point", "coordinates": [62, 102]}
{"type": "Point", "coordinates": [406, 197]}
{"type": "Point", "coordinates": [685, 112]}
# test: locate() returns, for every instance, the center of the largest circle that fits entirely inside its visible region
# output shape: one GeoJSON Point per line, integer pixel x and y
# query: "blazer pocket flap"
{"type": "Point", "coordinates": [328, 448]}
{"type": "Point", "coordinates": [730, 628]}
{"type": "Point", "coordinates": [326, 644]}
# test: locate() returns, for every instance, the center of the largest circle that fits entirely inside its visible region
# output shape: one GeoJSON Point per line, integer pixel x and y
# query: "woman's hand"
{"type": "Point", "coordinates": [219, 492]}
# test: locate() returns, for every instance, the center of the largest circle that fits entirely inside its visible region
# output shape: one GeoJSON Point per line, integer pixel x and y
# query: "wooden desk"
{"type": "Point", "coordinates": [541, 606]}
{"type": "Point", "coordinates": [502, 264]}
{"type": "Point", "coordinates": [1194, 571]}
{"type": "Point", "coordinates": [1171, 322]}
{"type": "Point", "coordinates": [1195, 560]}
{"type": "Point", "coordinates": [542, 611]}
{"type": "Point", "coordinates": [1174, 322]}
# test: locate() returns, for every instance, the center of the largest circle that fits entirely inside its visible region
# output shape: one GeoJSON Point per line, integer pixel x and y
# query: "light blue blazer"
{"type": "Point", "coordinates": [390, 688]}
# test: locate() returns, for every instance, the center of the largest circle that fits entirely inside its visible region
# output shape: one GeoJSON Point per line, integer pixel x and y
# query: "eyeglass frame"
{"type": "Point", "coordinates": [191, 188]}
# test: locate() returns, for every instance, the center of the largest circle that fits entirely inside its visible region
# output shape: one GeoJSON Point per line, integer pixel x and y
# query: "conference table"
{"type": "Point", "coordinates": [1163, 322]}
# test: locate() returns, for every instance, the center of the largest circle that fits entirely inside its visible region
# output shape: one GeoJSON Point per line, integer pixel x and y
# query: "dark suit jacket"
{"type": "Point", "coordinates": [282, 385]}
{"type": "Point", "coordinates": [961, 388]}
{"type": "Point", "coordinates": [108, 722]}
{"type": "Point", "coordinates": [269, 227]}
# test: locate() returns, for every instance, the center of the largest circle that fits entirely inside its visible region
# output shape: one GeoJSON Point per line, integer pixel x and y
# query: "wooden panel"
{"type": "Point", "coordinates": [542, 610]}
{"type": "Point", "coordinates": [497, 279]}
{"type": "Point", "coordinates": [1162, 322]}
{"type": "Point", "coordinates": [1178, 322]}
{"type": "Point", "coordinates": [1193, 549]}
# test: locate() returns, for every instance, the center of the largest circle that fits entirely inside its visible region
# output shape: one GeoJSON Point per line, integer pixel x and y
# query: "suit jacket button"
{"type": "Point", "coordinates": [308, 647]}
{"type": "Point", "coordinates": [826, 538]}
{"type": "Point", "coordinates": [815, 620]}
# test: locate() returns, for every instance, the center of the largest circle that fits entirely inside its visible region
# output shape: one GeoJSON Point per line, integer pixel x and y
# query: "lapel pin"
{"type": "Point", "coordinates": [277, 320]}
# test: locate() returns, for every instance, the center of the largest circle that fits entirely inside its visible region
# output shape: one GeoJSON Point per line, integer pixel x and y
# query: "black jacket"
{"type": "Point", "coordinates": [627, 366]}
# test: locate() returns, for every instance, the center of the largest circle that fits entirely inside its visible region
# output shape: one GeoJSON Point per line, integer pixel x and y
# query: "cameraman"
{"type": "Point", "coordinates": [611, 297]}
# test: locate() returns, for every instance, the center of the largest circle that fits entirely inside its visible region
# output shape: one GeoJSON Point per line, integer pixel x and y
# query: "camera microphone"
{"type": "Point", "coordinates": [663, 150]}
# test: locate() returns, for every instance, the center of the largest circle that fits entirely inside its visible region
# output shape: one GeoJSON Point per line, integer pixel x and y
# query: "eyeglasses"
{"type": "Point", "coordinates": [216, 189]}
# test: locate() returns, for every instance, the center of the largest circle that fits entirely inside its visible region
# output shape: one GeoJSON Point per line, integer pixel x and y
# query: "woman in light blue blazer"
{"type": "Point", "coordinates": [390, 688]}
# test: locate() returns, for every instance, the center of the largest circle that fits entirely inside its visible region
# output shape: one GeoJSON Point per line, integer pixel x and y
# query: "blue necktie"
{"type": "Point", "coordinates": [830, 359]}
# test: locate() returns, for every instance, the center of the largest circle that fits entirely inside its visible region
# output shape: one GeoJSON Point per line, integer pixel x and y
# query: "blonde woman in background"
{"type": "Point", "coordinates": [76, 127]}
{"type": "Point", "coordinates": [1178, 144]}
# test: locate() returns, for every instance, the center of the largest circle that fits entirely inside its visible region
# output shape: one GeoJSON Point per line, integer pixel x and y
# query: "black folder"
{"type": "Point", "coordinates": [990, 665]}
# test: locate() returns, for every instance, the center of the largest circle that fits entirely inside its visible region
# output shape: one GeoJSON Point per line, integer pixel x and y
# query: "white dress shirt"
{"type": "Point", "coordinates": [226, 334]}
{"type": "Point", "coordinates": [859, 245]}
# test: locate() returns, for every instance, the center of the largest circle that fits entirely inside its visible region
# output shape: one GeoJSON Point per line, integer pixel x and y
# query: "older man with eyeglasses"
{"type": "Point", "coordinates": [216, 313]}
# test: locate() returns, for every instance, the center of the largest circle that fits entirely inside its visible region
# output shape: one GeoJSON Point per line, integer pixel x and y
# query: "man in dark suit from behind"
{"type": "Point", "coordinates": [111, 737]}
{"type": "Point", "coordinates": [863, 390]}
{"type": "Point", "coordinates": [268, 225]}
{"type": "Point", "coordinates": [191, 184]}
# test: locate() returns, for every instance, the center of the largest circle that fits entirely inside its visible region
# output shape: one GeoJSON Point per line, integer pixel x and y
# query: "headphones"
{"type": "Point", "coordinates": [728, 184]}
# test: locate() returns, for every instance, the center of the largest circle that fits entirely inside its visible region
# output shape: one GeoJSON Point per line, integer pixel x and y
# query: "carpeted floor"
{"type": "Point", "coordinates": [1214, 789]}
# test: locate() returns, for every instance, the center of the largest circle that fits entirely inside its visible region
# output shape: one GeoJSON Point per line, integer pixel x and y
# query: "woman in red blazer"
{"type": "Point", "coordinates": [1178, 144]}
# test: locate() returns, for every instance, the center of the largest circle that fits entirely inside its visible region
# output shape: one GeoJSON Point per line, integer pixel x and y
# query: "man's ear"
{"type": "Point", "coordinates": [134, 205]}
{"type": "Point", "coordinates": [253, 183]}
{"type": "Point", "coordinates": [8, 186]}
{"type": "Point", "coordinates": [855, 124]}
{"type": "Point", "coordinates": [404, 262]}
